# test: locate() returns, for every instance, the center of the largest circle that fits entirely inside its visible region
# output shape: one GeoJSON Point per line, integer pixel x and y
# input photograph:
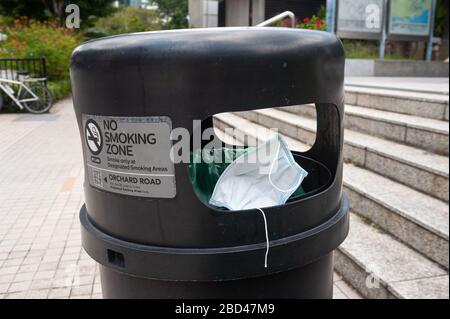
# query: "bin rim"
{"type": "Point", "coordinates": [216, 264]}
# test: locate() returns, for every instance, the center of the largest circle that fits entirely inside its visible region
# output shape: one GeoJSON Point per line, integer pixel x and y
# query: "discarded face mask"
{"type": "Point", "coordinates": [265, 176]}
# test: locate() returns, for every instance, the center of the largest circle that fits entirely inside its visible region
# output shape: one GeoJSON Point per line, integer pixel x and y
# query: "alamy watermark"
{"type": "Point", "coordinates": [372, 280]}
{"type": "Point", "coordinates": [73, 16]}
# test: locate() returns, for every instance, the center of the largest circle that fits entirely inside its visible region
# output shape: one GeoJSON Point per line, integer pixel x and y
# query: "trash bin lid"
{"type": "Point", "coordinates": [199, 72]}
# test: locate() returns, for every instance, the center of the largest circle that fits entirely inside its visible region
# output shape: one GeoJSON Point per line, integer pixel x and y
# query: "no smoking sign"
{"type": "Point", "coordinates": [129, 155]}
{"type": "Point", "coordinates": [93, 137]}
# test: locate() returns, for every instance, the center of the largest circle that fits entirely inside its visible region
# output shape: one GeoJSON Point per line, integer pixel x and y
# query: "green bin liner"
{"type": "Point", "coordinates": [205, 171]}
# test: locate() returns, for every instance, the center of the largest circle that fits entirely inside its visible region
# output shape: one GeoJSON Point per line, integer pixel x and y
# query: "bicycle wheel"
{"type": "Point", "coordinates": [44, 101]}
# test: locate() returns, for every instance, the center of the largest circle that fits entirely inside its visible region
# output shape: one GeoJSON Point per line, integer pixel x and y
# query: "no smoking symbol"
{"type": "Point", "coordinates": [93, 137]}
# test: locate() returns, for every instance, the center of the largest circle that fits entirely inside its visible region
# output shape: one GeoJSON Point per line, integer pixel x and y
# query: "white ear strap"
{"type": "Point", "coordinates": [267, 237]}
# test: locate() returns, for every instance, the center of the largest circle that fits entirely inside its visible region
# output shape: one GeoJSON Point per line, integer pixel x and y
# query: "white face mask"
{"type": "Point", "coordinates": [265, 176]}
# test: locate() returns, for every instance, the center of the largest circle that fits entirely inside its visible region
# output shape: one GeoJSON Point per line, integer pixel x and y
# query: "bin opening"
{"type": "Point", "coordinates": [204, 172]}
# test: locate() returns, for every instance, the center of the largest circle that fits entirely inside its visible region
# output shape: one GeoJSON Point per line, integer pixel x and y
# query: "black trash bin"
{"type": "Point", "coordinates": [143, 222]}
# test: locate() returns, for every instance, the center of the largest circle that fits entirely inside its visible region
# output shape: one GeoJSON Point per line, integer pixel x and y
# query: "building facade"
{"type": "Point", "coordinates": [214, 13]}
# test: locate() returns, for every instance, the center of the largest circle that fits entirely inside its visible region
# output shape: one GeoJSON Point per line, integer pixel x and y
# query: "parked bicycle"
{"type": "Point", "coordinates": [26, 91]}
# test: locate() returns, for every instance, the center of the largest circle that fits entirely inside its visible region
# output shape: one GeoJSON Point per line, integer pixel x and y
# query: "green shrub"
{"type": "Point", "coordinates": [364, 49]}
{"type": "Point", "coordinates": [4, 20]}
{"type": "Point", "coordinates": [174, 13]}
{"type": "Point", "coordinates": [126, 20]}
{"type": "Point", "coordinates": [355, 49]}
{"type": "Point", "coordinates": [60, 88]}
{"type": "Point", "coordinates": [30, 38]}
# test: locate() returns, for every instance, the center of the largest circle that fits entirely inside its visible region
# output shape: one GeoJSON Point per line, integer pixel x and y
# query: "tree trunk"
{"type": "Point", "coordinates": [58, 10]}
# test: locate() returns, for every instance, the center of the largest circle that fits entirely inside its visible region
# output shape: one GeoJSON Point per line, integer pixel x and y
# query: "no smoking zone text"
{"type": "Point", "coordinates": [121, 143]}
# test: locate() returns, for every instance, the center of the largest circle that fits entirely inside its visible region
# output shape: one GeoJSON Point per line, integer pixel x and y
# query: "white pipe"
{"type": "Point", "coordinates": [279, 17]}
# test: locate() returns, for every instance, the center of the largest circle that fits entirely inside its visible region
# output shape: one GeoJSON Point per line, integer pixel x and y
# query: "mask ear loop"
{"type": "Point", "coordinates": [264, 215]}
{"type": "Point", "coordinates": [262, 212]}
{"type": "Point", "coordinates": [267, 237]}
{"type": "Point", "coordinates": [279, 189]}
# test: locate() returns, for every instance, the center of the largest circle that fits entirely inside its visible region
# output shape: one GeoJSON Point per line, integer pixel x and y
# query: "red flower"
{"type": "Point", "coordinates": [319, 23]}
{"type": "Point", "coordinates": [306, 19]}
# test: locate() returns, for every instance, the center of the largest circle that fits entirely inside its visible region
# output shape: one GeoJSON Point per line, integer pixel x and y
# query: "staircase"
{"type": "Point", "coordinates": [396, 174]}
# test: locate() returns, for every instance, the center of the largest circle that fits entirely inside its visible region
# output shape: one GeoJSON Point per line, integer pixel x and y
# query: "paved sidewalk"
{"type": "Point", "coordinates": [41, 176]}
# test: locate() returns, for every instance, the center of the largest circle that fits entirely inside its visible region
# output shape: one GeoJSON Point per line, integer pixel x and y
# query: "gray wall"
{"type": "Point", "coordinates": [258, 11]}
{"type": "Point", "coordinates": [196, 13]}
{"type": "Point", "coordinates": [237, 13]}
{"type": "Point", "coordinates": [203, 13]}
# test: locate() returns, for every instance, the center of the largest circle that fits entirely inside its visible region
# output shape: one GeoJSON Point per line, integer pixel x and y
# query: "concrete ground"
{"type": "Point", "coordinates": [41, 176]}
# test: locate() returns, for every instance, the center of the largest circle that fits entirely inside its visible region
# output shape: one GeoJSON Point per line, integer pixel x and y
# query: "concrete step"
{"type": "Point", "coordinates": [416, 219]}
{"type": "Point", "coordinates": [391, 259]}
{"type": "Point", "coordinates": [424, 171]}
{"type": "Point", "coordinates": [379, 266]}
{"type": "Point", "coordinates": [428, 134]}
{"type": "Point", "coordinates": [413, 217]}
{"type": "Point", "coordinates": [428, 105]}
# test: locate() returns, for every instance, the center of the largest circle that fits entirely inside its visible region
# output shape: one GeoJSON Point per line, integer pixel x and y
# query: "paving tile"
{"type": "Point", "coordinates": [23, 276]}
{"type": "Point", "coordinates": [47, 274]}
{"type": "Point", "coordinates": [17, 295]}
{"type": "Point", "coordinates": [338, 294]}
{"type": "Point", "coordinates": [41, 284]}
{"type": "Point", "coordinates": [38, 294]}
{"type": "Point", "coordinates": [9, 270]}
{"type": "Point", "coordinates": [97, 289]}
{"type": "Point", "coordinates": [12, 262]}
{"type": "Point", "coordinates": [59, 293]}
{"type": "Point", "coordinates": [81, 290]}
{"type": "Point", "coordinates": [337, 277]}
{"type": "Point", "coordinates": [48, 266]}
{"type": "Point", "coordinates": [62, 282]}
{"type": "Point", "coordinates": [28, 268]}
{"type": "Point", "coordinates": [6, 278]}
{"type": "Point", "coordinates": [19, 286]}
{"type": "Point", "coordinates": [87, 296]}
{"type": "Point", "coordinates": [4, 287]}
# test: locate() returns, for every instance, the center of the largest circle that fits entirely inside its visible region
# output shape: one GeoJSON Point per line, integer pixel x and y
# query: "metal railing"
{"type": "Point", "coordinates": [279, 17]}
{"type": "Point", "coordinates": [36, 68]}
